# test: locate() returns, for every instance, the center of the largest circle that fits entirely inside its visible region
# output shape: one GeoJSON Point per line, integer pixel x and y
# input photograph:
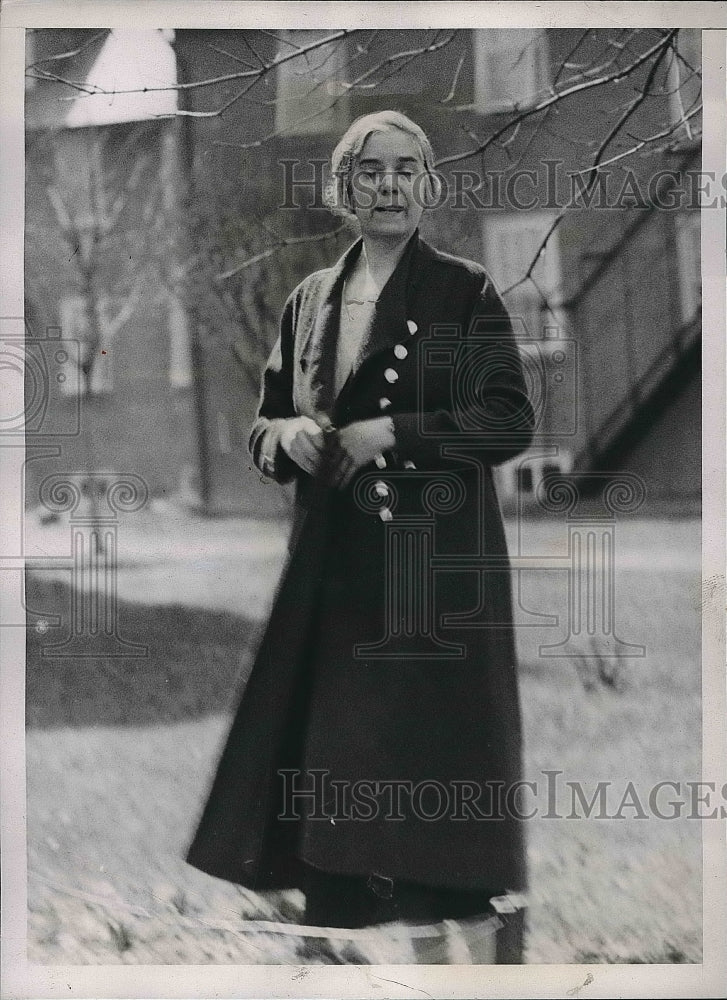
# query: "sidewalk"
{"type": "Point", "coordinates": [171, 556]}
{"type": "Point", "coordinates": [167, 554]}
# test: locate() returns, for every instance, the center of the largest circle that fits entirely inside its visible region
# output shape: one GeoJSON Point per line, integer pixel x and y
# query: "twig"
{"type": "Point", "coordinates": [578, 88]}
{"type": "Point", "coordinates": [409, 56]}
{"type": "Point", "coordinates": [455, 80]}
{"type": "Point", "coordinates": [536, 257]}
{"type": "Point", "coordinates": [289, 241]}
{"type": "Point", "coordinates": [644, 142]}
{"type": "Point", "coordinates": [406, 54]}
{"type": "Point", "coordinates": [593, 170]}
{"type": "Point", "coordinates": [677, 69]}
{"type": "Point", "coordinates": [570, 54]}
{"type": "Point", "coordinates": [71, 52]}
{"type": "Point", "coordinates": [231, 55]}
{"type": "Point", "coordinates": [255, 74]}
{"type": "Point", "coordinates": [631, 108]}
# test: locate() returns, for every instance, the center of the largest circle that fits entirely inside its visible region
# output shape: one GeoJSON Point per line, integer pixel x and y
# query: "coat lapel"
{"type": "Point", "coordinates": [393, 306]}
{"type": "Point", "coordinates": [319, 352]}
{"type": "Point", "coordinates": [388, 328]}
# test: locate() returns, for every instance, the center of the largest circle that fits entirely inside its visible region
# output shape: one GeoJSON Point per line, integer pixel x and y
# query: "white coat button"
{"type": "Point", "coordinates": [381, 489]}
{"type": "Point", "coordinates": [412, 326]}
{"type": "Point", "coordinates": [391, 375]}
{"type": "Point", "coordinates": [400, 351]}
{"type": "Point", "coordinates": [385, 514]}
{"type": "Point", "coordinates": [384, 403]}
{"type": "Point", "coordinates": [380, 461]}
{"type": "Point", "coordinates": [409, 464]}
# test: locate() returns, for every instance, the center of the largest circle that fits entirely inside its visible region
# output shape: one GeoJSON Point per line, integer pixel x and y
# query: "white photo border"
{"type": "Point", "coordinates": [20, 978]}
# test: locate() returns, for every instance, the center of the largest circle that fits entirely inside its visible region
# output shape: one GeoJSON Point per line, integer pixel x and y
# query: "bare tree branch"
{"type": "Point", "coordinates": [408, 56]}
{"type": "Point", "coordinates": [561, 95]}
{"type": "Point", "coordinates": [120, 201]}
{"type": "Point", "coordinates": [62, 215]}
{"type": "Point", "coordinates": [593, 170]}
{"type": "Point", "coordinates": [656, 52]}
{"type": "Point", "coordinates": [259, 60]}
{"type": "Point", "coordinates": [455, 80]}
{"type": "Point", "coordinates": [287, 242]}
{"type": "Point", "coordinates": [56, 78]}
{"type": "Point", "coordinates": [279, 40]}
{"type": "Point", "coordinates": [631, 108]}
{"type": "Point", "coordinates": [566, 63]}
{"type": "Point", "coordinates": [678, 89]}
{"type": "Point", "coordinates": [230, 55]}
{"type": "Point", "coordinates": [72, 53]}
{"type": "Point", "coordinates": [640, 143]}
{"type": "Point", "coordinates": [131, 301]}
{"type": "Point", "coordinates": [588, 70]}
{"type": "Point", "coordinates": [251, 74]}
{"type": "Point", "coordinates": [538, 253]}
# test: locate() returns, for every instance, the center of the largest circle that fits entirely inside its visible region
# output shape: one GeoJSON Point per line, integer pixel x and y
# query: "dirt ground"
{"type": "Point", "coordinates": [120, 752]}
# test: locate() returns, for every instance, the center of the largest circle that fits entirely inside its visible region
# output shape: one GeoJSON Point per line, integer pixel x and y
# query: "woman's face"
{"type": "Point", "coordinates": [387, 186]}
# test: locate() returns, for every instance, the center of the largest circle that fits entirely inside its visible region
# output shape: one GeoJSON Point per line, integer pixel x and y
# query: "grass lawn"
{"type": "Point", "coordinates": [120, 755]}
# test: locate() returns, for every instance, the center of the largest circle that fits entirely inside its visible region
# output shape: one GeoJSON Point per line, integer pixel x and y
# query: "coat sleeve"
{"type": "Point", "coordinates": [276, 405]}
{"type": "Point", "coordinates": [485, 401]}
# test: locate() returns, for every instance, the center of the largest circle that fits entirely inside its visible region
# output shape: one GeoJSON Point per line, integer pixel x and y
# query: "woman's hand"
{"type": "Point", "coordinates": [302, 440]}
{"type": "Point", "coordinates": [356, 445]}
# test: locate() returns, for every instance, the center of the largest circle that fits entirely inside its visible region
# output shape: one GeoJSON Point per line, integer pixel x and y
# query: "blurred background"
{"type": "Point", "coordinates": [173, 201]}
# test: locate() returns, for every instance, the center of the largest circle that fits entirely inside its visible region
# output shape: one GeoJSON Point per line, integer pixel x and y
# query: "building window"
{"type": "Point", "coordinates": [539, 321]}
{"type": "Point", "coordinates": [512, 67]}
{"type": "Point", "coordinates": [311, 96]}
{"type": "Point", "coordinates": [511, 242]}
{"type": "Point", "coordinates": [523, 475]}
{"type": "Point", "coordinates": [689, 256]}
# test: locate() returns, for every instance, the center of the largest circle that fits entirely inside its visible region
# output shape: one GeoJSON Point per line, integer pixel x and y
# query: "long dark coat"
{"type": "Point", "coordinates": [389, 655]}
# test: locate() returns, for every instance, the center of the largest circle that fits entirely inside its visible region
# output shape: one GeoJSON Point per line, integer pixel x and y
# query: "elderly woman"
{"type": "Point", "coordinates": [374, 756]}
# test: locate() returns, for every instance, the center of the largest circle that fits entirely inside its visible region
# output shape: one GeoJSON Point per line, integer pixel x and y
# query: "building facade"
{"type": "Point", "coordinates": [607, 308]}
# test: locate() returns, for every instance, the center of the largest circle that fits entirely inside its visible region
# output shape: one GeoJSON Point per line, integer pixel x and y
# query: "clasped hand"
{"type": "Point", "coordinates": [340, 453]}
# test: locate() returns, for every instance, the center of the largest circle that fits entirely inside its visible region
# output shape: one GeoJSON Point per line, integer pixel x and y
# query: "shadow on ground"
{"type": "Point", "coordinates": [196, 664]}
